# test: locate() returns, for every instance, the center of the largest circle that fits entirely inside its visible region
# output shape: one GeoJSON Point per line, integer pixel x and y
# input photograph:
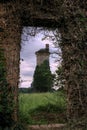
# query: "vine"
{"type": "Point", "coordinates": [6, 97]}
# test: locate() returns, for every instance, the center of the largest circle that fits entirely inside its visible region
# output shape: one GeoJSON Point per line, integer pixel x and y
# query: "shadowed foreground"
{"type": "Point", "coordinates": [47, 127]}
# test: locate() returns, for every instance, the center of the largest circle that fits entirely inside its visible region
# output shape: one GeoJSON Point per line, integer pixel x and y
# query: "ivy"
{"type": "Point", "coordinates": [43, 79]}
{"type": "Point", "coordinates": [6, 97]}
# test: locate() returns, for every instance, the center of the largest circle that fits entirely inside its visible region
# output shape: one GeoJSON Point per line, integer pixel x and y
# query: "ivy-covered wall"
{"type": "Point", "coordinates": [6, 95]}
{"type": "Point", "coordinates": [42, 79]}
{"type": "Point", "coordinates": [10, 38]}
{"type": "Point", "coordinates": [74, 45]}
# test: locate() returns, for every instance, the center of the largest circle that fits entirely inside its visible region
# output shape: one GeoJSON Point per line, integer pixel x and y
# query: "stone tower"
{"type": "Point", "coordinates": [42, 55]}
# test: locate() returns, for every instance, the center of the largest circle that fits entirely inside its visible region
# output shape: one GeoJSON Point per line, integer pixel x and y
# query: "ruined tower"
{"type": "Point", "coordinates": [42, 79]}
{"type": "Point", "coordinates": [42, 55]}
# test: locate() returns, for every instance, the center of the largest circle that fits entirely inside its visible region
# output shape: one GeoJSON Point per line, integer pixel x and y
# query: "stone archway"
{"type": "Point", "coordinates": [69, 17]}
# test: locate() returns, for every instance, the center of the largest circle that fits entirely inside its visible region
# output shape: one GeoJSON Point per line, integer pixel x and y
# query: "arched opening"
{"type": "Point", "coordinates": [33, 102]}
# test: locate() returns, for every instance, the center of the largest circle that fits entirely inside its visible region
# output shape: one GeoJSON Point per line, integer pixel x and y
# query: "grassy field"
{"type": "Point", "coordinates": [42, 108]}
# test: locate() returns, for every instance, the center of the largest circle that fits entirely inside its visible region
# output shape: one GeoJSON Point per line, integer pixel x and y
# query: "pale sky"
{"type": "Point", "coordinates": [28, 57]}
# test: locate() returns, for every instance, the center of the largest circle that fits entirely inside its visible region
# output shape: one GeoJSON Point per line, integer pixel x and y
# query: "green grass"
{"type": "Point", "coordinates": [39, 108]}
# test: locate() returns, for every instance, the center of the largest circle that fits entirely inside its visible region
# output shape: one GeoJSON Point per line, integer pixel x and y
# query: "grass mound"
{"type": "Point", "coordinates": [48, 114]}
{"type": "Point", "coordinates": [50, 108]}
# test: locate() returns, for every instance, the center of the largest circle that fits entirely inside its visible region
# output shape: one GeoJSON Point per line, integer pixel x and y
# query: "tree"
{"type": "Point", "coordinates": [43, 79]}
{"type": "Point", "coordinates": [59, 77]}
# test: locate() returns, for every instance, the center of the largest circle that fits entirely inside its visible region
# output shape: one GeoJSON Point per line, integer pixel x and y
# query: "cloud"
{"type": "Point", "coordinates": [26, 82]}
{"type": "Point", "coordinates": [26, 66]}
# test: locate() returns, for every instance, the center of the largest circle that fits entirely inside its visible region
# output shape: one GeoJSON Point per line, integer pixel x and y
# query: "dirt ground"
{"type": "Point", "coordinates": [47, 127]}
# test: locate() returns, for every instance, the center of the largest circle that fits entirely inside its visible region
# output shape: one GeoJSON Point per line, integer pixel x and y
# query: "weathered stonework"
{"type": "Point", "coordinates": [42, 55]}
{"type": "Point", "coordinates": [10, 39]}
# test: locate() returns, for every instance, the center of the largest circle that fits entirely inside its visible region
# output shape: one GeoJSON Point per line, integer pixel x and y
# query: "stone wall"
{"type": "Point", "coordinates": [42, 57]}
{"type": "Point", "coordinates": [10, 38]}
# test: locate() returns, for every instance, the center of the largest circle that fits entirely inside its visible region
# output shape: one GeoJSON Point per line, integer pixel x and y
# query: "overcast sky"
{"type": "Point", "coordinates": [28, 57]}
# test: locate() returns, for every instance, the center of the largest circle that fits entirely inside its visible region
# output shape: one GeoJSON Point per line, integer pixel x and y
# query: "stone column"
{"type": "Point", "coordinates": [10, 38]}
